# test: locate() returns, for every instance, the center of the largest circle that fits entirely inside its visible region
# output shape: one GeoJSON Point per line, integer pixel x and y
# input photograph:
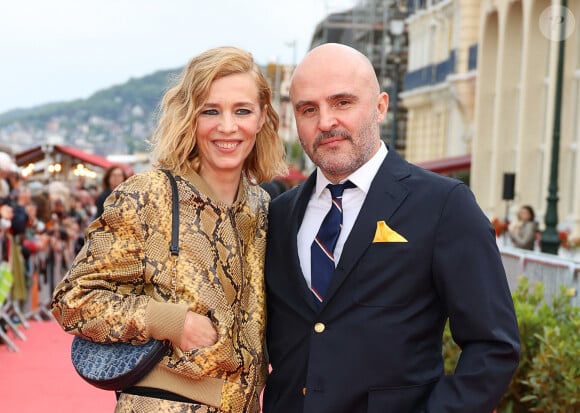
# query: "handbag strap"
{"type": "Point", "coordinates": [174, 246]}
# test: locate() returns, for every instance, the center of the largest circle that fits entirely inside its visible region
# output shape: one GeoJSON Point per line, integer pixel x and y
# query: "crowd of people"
{"type": "Point", "coordinates": [42, 228]}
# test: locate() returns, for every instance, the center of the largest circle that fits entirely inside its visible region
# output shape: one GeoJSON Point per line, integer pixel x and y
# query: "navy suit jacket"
{"type": "Point", "coordinates": [375, 344]}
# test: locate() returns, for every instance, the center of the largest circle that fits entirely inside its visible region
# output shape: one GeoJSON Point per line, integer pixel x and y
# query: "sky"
{"type": "Point", "coordinates": [60, 50]}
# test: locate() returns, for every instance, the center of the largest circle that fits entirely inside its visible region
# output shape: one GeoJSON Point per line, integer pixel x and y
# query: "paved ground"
{"type": "Point", "coordinates": [41, 378]}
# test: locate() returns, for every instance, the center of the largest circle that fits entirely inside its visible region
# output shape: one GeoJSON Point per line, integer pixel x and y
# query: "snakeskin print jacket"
{"type": "Point", "coordinates": [125, 286]}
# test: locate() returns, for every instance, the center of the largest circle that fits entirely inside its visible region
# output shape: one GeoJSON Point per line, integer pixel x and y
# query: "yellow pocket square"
{"type": "Point", "coordinates": [384, 233]}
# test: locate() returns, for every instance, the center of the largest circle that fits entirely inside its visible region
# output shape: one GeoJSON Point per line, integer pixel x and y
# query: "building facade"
{"type": "Point", "coordinates": [480, 83]}
{"type": "Point", "coordinates": [439, 88]}
{"type": "Point", "coordinates": [515, 105]}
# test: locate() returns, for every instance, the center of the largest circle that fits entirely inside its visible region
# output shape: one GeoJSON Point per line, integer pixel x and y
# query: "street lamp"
{"type": "Point", "coordinates": [396, 29]}
{"type": "Point", "coordinates": [550, 239]}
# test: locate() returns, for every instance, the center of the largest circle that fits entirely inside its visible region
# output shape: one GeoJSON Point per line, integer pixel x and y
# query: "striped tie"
{"type": "Point", "coordinates": [322, 249]}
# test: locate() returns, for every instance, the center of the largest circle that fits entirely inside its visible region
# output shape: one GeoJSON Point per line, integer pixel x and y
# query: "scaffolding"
{"type": "Point", "coordinates": [379, 33]}
{"type": "Point", "coordinates": [368, 27]}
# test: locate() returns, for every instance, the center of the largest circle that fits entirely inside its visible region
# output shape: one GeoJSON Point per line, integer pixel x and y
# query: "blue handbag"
{"type": "Point", "coordinates": [117, 366]}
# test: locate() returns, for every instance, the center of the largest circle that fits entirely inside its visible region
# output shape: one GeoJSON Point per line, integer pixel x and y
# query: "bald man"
{"type": "Point", "coordinates": [413, 250]}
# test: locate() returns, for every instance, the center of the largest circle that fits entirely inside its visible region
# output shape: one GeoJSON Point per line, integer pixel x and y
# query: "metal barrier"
{"type": "Point", "coordinates": [550, 270]}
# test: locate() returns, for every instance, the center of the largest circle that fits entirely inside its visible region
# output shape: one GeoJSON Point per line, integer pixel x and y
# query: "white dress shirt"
{"type": "Point", "coordinates": [320, 203]}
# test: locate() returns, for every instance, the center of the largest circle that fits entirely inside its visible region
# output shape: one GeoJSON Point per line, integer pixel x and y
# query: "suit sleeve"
{"type": "Point", "coordinates": [471, 281]}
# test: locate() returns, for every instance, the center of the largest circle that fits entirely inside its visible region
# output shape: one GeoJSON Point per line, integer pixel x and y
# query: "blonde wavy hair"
{"type": "Point", "coordinates": [174, 143]}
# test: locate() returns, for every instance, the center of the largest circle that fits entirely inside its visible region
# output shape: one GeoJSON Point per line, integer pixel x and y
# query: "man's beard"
{"type": "Point", "coordinates": [344, 163]}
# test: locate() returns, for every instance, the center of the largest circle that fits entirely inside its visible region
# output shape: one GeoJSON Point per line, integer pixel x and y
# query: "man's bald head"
{"type": "Point", "coordinates": [338, 106]}
{"type": "Point", "coordinates": [335, 57]}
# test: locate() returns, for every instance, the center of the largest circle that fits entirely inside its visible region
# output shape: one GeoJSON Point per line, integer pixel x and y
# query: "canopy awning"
{"type": "Point", "coordinates": [37, 154]}
{"type": "Point", "coordinates": [447, 165]}
{"type": "Point", "coordinates": [86, 157]}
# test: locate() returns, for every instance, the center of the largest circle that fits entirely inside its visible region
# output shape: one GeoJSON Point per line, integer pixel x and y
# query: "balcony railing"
{"type": "Point", "coordinates": [431, 74]}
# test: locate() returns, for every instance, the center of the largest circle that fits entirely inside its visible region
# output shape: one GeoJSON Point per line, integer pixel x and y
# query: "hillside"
{"type": "Point", "coordinates": [119, 117]}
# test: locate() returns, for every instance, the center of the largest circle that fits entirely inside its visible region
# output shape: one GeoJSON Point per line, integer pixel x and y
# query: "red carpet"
{"type": "Point", "coordinates": [41, 378]}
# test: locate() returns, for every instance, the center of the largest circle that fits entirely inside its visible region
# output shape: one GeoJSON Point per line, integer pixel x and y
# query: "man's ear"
{"type": "Point", "coordinates": [382, 105]}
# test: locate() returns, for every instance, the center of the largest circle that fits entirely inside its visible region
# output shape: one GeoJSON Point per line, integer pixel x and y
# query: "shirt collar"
{"type": "Point", "coordinates": [362, 177]}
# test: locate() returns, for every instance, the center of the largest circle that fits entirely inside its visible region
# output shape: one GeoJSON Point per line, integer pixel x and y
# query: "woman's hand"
{"type": "Point", "coordinates": [198, 332]}
{"type": "Point", "coordinates": [515, 226]}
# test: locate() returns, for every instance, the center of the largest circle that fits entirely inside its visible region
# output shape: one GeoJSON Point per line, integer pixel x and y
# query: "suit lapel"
{"type": "Point", "coordinates": [297, 211]}
{"type": "Point", "coordinates": [385, 195]}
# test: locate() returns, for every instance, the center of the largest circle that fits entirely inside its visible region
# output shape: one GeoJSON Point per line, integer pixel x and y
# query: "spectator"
{"type": "Point", "coordinates": [524, 229]}
{"type": "Point", "coordinates": [274, 187]}
{"type": "Point", "coordinates": [113, 176]}
{"type": "Point", "coordinates": [7, 165]}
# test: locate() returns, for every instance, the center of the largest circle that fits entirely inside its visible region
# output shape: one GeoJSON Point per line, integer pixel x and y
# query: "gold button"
{"type": "Point", "coordinates": [304, 391]}
{"type": "Point", "coordinates": [319, 327]}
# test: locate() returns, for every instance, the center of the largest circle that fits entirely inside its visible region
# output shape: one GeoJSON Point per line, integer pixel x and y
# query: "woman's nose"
{"type": "Point", "coordinates": [227, 124]}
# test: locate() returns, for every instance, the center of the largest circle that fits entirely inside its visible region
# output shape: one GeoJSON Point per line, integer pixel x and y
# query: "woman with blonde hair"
{"type": "Point", "coordinates": [217, 135]}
